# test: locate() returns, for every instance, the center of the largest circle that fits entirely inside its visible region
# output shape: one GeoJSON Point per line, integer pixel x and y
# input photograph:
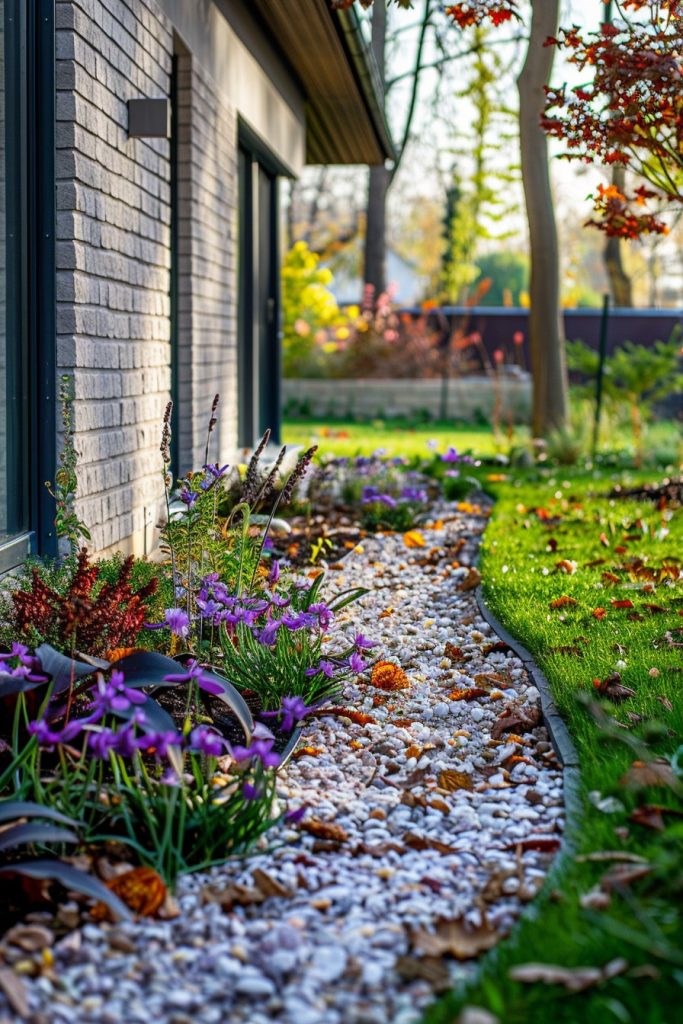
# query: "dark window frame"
{"type": "Point", "coordinates": [259, 334]}
{"type": "Point", "coordinates": [31, 321]}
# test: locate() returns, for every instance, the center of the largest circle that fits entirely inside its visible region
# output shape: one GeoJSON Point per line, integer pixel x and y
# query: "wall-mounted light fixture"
{"type": "Point", "coordinates": [149, 119]}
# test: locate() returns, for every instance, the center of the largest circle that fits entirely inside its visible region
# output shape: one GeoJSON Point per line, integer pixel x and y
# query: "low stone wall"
{"type": "Point", "coordinates": [467, 398]}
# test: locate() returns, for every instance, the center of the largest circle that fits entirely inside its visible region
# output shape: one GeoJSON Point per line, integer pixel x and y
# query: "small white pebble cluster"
{"type": "Point", "coordinates": [333, 950]}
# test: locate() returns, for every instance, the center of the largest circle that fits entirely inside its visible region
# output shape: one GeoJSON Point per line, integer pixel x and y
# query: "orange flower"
{"type": "Point", "coordinates": [388, 676]}
{"type": "Point", "coordinates": [141, 889]}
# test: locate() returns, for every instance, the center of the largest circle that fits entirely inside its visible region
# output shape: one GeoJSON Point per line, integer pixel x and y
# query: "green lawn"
{"type": "Point", "coordinates": [538, 523]}
{"type": "Point", "coordinates": [396, 437]}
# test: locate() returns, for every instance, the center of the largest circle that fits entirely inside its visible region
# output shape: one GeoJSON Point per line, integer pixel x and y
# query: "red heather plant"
{"type": "Point", "coordinates": [92, 615]}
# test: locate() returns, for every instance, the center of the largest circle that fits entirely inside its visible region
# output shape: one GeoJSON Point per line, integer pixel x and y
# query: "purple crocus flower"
{"type": "Point", "coordinates": [356, 663]}
{"type": "Point", "coordinates": [250, 792]}
{"type": "Point", "coordinates": [261, 749]}
{"type": "Point", "coordinates": [189, 497]}
{"type": "Point", "coordinates": [293, 710]}
{"type": "Point", "coordinates": [48, 737]}
{"type": "Point", "coordinates": [274, 574]}
{"type": "Point", "coordinates": [302, 620]}
{"type": "Point", "coordinates": [325, 614]}
{"type": "Point", "coordinates": [451, 455]}
{"type": "Point", "coordinates": [115, 695]}
{"type": "Point", "coordinates": [361, 643]}
{"type": "Point", "coordinates": [268, 634]}
{"type": "Point", "coordinates": [414, 494]}
{"type": "Point", "coordinates": [207, 741]}
{"type": "Point", "coordinates": [327, 668]}
{"type": "Point", "coordinates": [157, 743]}
{"type": "Point", "coordinates": [296, 815]}
{"type": "Point", "coordinates": [194, 673]}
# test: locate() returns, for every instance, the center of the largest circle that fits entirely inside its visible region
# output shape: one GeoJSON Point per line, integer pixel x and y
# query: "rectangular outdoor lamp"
{"type": "Point", "coordinates": [149, 119]}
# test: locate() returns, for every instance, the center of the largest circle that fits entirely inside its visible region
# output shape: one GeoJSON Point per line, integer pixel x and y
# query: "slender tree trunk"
{"type": "Point", "coordinates": [619, 280]}
{"type": "Point", "coordinates": [546, 334]}
{"type": "Point", "coordinates": [375, 270]}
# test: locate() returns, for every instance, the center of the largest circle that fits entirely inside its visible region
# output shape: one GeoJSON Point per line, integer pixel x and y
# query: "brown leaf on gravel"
{"type": "Point", "coordinates": [453, 653]}
{"type": "Point", "coordinates": [471, 581]}
{"type": "Point", "coordinates": [416, 842]}
{"type": "Point", "coordinates": [324, 830]}
{"type": "Point", "coordinates": [492, 680]}
{"type": "Point", "coordinates": [227, 896]}
{"type": "Point", "coordinates": [141, 889]}
{"type": "Point", "coordinates": [541, 844]}
{"type": "Point", "coordinates": [451, 780]}
{"type": "Point", "coordinates": [469, 693]}
{"type": "Point", "coordinates": [574, 979]}
{"type": "Point", "coordinates": [386, 675]}
{"type": "Point", "coordinates": [456, 938]}
{"type": "Point", "coordinates": [431, 969]}
{"type": "Point", "coordinates": [306, 752]}
{"type": "Point", "coordinates": [649, 773]}
{"type": "Point", "coordinates": [15, 991]}
{"type": "Point", "coordinates": [519, 720]}
{"type": "Point", "coordinates": [268, 885]}
{"type": "Point", "coordinates": [357, 717]}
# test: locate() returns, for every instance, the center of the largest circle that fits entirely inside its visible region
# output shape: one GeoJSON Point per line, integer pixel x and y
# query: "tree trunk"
{"type": "Point", "coordinates": [546, 335]}
{"type": "Point", "coordinates": [375, 271]}
{"type": "Point", "coordinates": [619, 280]}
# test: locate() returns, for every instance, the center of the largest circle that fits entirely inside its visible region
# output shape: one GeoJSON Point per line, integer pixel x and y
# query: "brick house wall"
{"type": "Point", "coordinates": [114, 236]}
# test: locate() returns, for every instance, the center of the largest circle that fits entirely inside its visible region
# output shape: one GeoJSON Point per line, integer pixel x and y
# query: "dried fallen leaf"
{"type": "Point", "coordinates": [456, 938]}
{"type": "Point", "coordinates": [649, 773]}
{"type": "Point", "coordinates": [228, 896]}
{"type": "Point", "coordinates": [469, 693]}
{"type": "Point", "coordinates": [324, 830]}
{"type": "Point", "coordinates": [417, 842]}
{"type": "Point", "coordinates": [268, 885]}
{"type": "Point", "coordinates": [431, 969]}
{"type": "Point", "coordinates": [613, 688]}
{"type": "Point", "coordinates": [306, 752]}
{"type": "Point", "coordinates": [574, 979]}
{"type": "Point", "coordinates": [451, 780]}
{"type": "Point", "coordinates": [471, 581]}
{"type": "Point", "coordinates": [414, 539]}
{"type": "Point", "coordinates": [357, 717]}
{"type": "Point", "coordinates": [518, 720]}
{"type": "Point", "coordinates": [626, 603]}
{"type": "Point", "coordinates": [599, 613]}
{"type": "Point", "coordinates": [567, 566]}
{"type": "Point", "coordinates": [563, 602]}
{"type": "Point", "coordinates": [453, 653]}
{"type": "Point", "coordinates": [141, 889]}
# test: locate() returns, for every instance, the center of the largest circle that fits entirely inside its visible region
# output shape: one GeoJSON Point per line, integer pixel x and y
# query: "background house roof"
{"type": "Point", "coordinates": [336, 69]}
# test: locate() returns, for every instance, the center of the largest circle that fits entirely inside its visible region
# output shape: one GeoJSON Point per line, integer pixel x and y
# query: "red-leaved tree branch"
{"type": "Point", "coordinates": [629, 112]}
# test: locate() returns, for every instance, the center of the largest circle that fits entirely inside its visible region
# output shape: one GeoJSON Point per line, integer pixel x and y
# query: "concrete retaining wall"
{"type": "Point", "coordinates": [468, 398]}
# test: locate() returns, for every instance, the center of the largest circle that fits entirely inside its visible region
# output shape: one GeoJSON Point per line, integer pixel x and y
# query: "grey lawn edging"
{"type": "Point", "coordinates": [557, 730]}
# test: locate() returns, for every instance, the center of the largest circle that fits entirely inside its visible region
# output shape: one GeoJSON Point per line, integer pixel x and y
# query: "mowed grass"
{"type": "Point", "coordinates": [536, 526]}
{"type": "Point", "coordinates": [395, 437]}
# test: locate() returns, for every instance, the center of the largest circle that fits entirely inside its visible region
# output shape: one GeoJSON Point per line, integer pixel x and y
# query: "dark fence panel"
{"type": "Point", "coordinates": [497, 325]}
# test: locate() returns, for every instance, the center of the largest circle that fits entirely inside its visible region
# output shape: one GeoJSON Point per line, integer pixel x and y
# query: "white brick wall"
{"type": "Point", "coordinates": [114, 260]}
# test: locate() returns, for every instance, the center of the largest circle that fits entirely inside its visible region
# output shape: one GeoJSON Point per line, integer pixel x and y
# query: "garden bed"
{"type": "Point", "coordinates": [431, 820]}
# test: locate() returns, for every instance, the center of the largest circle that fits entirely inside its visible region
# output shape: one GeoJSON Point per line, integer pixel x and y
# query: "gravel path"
{"type": "Point", "coordinates": [358, 915]}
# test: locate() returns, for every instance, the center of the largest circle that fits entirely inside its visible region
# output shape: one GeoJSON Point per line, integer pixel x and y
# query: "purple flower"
{"type": "Point", "coordinates": [261, 749]}
{"type": "Point", "coordinates": [451, 455]}
{"type": "Point", "coordinates": [115, 695]}
{"type": "Point", "coordinates": [189, 497]}
{"type": "Point", "coordinates": [212, 473]}
{"type": "Point", "coordinates": [175, 619]}
{"type": "Point", "coordinates": [250, 792]}
{"type": "Point", "coordinates": [293, 816]}
{"type": "Point", "coordinates": [325, 614]}
{"type": "Point", "coordinates": [415, 494]}
{"type": "Point", "coordinates": [101, 742]}
{"type": "Point", "coordinates": [268, 634]}
{"type": "Point", "coordinates": [361, 643]}
{"type": "Point", "coordinates": [293, 710]}
{"type": "Point", "coordinates": [327, 668]}
{"type": "Point", "coordinates": [207, 741]}
{"type": "Point", "coordinates": [274, 574]}
{"type": "Point", "coordinates": [158, 743]}
{"type": "Point", "coordinates": [302, 620]}
{"type": "Point", "coordinates": [48, 737]}
{"type": "Point", "coordinates": [356, 663]}
{"type": "Point", "coordinates": [279, 601]}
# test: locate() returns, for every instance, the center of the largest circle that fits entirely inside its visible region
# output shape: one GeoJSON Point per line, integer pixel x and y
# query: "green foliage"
{"type": "Point", "coordinates": [68, 525]}
{"type": "Point", "coordinates": [311, 317]}
{"type": "Point", "coordinates": [508, 273]}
